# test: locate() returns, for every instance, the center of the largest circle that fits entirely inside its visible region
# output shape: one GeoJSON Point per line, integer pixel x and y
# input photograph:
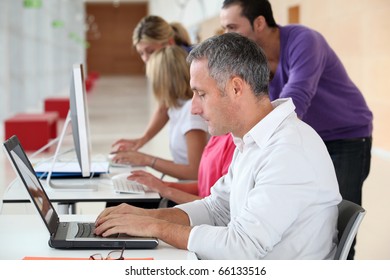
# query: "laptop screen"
{"type": "Point", "coordinates": [27, 175]}
{"type": "Point", "coordinates": [38, 196]}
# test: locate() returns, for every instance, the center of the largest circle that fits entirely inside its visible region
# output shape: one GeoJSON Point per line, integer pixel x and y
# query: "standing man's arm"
{"type": "Point", "coordinates": [305, 64]}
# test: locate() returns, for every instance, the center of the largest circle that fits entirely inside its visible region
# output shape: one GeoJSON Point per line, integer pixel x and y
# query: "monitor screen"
{"type": "Point", "coordinates": [80, 119]}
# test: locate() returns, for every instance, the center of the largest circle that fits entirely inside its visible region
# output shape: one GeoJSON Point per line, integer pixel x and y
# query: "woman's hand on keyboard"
{"type": "Point", "coordinates": [147, 179]}
{"type": "Point", "coordinates": [132, 158]}
{"type": "Point", "coordinates": [124, 145]}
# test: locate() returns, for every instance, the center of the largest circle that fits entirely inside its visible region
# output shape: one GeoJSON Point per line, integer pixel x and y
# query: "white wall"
{"type": "Point", "coordinates": [36, 57]}
{"type": "Point", "coordinates": [189, 12]}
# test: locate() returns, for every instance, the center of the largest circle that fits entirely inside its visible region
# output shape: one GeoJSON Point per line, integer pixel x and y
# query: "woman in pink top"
{"type": "Point", "coordinates": [215, 162]}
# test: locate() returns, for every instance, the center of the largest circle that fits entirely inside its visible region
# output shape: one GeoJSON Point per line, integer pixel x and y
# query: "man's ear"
{"type": "Point", "coordinates": [259, 24]}
{"type": "Point", "coordinates": [237, 85]}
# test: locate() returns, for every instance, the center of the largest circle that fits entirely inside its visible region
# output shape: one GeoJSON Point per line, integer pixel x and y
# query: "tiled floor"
{"type": "Point", "coordinates": [121, 106]}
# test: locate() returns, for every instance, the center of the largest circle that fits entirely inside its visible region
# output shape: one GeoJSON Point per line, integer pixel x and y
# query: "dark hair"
{"type": "Point", "coordinates": [232, 54]}
{"type": "Point", "coordinates": [251, 9]}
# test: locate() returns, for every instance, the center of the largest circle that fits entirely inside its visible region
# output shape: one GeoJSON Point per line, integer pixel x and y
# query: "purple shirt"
{"type": "Point", "coordinates": [311, 74]}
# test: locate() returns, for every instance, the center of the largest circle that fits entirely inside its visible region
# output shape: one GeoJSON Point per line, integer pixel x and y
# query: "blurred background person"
{"type": "Point", "coordinates": [169, 75]}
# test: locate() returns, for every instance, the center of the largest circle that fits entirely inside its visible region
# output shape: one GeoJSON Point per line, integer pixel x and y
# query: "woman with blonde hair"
{"type": "Point", "coordinates": [169, 75]}
{"type": "Point", "coordinates": [153, 32]}
{"type": "Point", "coordinates": [150, 35]}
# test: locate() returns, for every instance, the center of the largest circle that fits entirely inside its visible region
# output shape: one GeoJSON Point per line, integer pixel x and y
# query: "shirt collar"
{"type": "Point", "coordinates": [264, 129]}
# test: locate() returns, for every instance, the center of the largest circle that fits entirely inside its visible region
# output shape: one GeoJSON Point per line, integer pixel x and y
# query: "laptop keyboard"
{"type": "Point", "coordinates": [85, 230]}
{"type": "Point", "coordinates": [122, 185]}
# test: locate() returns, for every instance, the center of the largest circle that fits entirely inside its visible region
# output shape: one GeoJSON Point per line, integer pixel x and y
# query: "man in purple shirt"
{"type": "Point", "coordinates": [304, 67]}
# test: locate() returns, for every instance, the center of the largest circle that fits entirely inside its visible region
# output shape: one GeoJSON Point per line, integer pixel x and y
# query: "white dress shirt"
{"type": "Point", "coordinates": [278, 200]}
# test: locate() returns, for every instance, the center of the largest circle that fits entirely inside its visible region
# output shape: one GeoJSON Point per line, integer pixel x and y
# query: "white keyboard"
{"type": "Point", "coordinates": [122, 185]}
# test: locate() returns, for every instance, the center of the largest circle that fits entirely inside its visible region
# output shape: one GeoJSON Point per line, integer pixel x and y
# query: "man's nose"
{"type": "Point", "coordinates": [195, 108]}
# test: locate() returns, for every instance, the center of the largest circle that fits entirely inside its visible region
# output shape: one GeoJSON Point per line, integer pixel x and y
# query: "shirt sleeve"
{"type": "Point", "coordinates": [305, 61]}
{"type": "Point", "coordinates": [212, 210]}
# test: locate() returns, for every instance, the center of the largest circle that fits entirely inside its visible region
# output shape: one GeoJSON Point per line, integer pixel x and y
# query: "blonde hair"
{"type": "Point", "coordinates": [169, 75]}
{"type": "Point", "coordinates": [153, 29]}
{"type": "Point", "coordinates": [182, 37]}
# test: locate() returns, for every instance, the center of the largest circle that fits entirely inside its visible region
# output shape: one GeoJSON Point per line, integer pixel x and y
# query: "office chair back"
{"type": "Point", "coordinates": [350, 218]}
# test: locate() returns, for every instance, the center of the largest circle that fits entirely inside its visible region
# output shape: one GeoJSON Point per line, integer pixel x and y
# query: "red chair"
{"type": "Point", "coordinates": [34, 130]}
{"type": "Point", "coordinates": [57, 104]}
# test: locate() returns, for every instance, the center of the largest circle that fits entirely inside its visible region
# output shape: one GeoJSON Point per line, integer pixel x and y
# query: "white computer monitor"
{"type": "Point", "coordinates": [79, 119]}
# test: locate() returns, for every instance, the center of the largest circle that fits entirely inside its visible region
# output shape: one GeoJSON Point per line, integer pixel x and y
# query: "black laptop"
{"type": "Point", "coordinates": [65, 235]}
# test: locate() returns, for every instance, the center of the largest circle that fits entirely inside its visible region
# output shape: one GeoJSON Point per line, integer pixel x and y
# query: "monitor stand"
{"type": "Point", "coordinates": [67, 185]}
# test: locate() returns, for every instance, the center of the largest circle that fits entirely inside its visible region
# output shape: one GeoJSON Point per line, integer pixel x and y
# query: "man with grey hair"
{"type": "Point", "coordinates": [279, 198]}
{"type": "Point", "coordinates": [306, 69]}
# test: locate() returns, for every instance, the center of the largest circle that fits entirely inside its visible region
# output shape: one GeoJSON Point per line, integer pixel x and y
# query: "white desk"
{"type": "Point", "coordinates": [26, 235]}
{"type": "Point", "coordinates": [17, 193]}
{"type": "Point", "coordinates": [67, 199]}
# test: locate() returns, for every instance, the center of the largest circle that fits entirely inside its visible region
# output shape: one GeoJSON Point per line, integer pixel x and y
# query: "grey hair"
{"type": "Point", "coordinates": [230, 55]}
